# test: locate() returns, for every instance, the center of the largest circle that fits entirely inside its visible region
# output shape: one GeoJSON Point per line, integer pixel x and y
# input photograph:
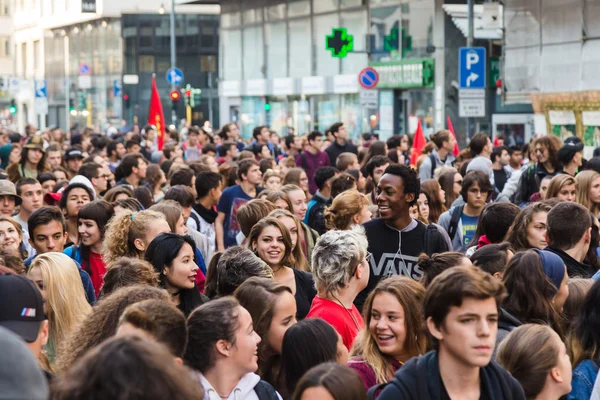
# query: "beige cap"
{"type": "Point", "coordinates": [7, 188]}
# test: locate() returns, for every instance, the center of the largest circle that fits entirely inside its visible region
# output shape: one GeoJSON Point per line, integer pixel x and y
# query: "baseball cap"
{"type": "Point", "coordinates": [7, 188]}
{"type": "Point", "coordinates": [73, 152]}
{"type": "Point", "coordinates": [21, 306]}
{"type": "Point", "coordinates": [571, 146]}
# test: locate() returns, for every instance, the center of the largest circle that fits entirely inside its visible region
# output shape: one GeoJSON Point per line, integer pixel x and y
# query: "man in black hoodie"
{"type": "Point", "coordinates": [395, 239]}
{"type": "Point", "coordinates": [461, 309]}
{"type": "Point", "coordinates": [569, 233]}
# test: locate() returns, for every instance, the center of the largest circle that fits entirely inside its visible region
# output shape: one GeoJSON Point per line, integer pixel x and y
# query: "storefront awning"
{"type": "Point", "coordinates": [485, 28]}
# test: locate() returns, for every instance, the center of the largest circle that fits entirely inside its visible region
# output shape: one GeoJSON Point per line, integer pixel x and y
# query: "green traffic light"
{"type": "Point", "coordinates": [13, 110]}
{"type": "Point", "coordinates": [267, 107]}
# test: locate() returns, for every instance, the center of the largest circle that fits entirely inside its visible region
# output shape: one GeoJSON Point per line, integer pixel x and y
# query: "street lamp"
{"type": "Point", "coordinates": [161, 10]}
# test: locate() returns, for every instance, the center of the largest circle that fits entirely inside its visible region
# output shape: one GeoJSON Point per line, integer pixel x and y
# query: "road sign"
{"type": "Point", "coordinates": [369, 98]}
{"type": "Point", "coordinates": [471, 103]}
{"type": "Point", "coordinates": [472, 67]}
{"type": "Point", "coordinates": [117, 88]}
{"type": "Point", "coordinates": [84, 69]}
{"type": "Point", "coordinates": [14, 86]}
{"type": "Point", "coordinates": [339, 42]}
{"type": "Point", "coordinates": [368, 78]}
{"type": "Point", "coordinates": [174, 76]}
{"type": "Point", "coordinates": [41, 91]}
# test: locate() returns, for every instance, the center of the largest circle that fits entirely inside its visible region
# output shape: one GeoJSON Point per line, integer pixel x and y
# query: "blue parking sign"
{"type": "Point", "coordinates": [472, 67]}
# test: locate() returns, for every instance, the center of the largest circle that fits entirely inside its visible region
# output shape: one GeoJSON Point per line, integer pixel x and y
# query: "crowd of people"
{"type": "Point", "coordinates": [296, 267]}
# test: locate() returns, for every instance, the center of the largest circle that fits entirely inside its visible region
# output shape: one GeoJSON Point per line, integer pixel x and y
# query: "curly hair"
{"type": "Point", "coordinates": [344, 207]}
{"type": "Point", "coordinates": [123, 230]}
{"type": "Point", "coordinates": [410, 180]}
{"type": "Point", "coordinates": [127, 271]}
{"type": "Point", "coordinates": [102, 323]}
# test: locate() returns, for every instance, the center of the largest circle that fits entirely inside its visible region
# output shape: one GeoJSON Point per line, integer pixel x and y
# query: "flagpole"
{"type": "Point", "coordinates": [173, 58]}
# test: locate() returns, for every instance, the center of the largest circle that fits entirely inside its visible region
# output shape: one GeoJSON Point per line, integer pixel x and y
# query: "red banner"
{"type": "Point", "coordinates": [156, 116]}
{"type": "Point", "coordinates": [418, 144]}
{"type": "Point", "coordinates": [456, 150]}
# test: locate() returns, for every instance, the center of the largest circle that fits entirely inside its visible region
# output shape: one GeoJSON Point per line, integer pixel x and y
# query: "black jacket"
{"type": "Point", "coordinates": [420, 379]}
{"type": "Point", "coordinates": [530, 182]}
{"type": "Point", "coordinates": [575, 269]}
{"type": "Point", "coordinates": [506, 323]}
{"type": "Point", "coordinates": [334, 150]}
{"type": "Point", "coordinates": [316, 208]}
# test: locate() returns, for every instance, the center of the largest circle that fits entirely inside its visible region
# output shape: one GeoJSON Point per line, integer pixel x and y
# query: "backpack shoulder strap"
{"type": "Point", "coordinates": [456, 213]}
{"type": "Point", "coordinates": [196, 220]}
{"type": "Point", "coordinates": [433, 164]}
{"type": "Point", "coordinates": [431, 239]}
{"type": "Point", "coordinates": [264, 391]}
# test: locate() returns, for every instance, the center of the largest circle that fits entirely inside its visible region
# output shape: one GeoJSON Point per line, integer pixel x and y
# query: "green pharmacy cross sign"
{"type": "Point", "coordinates": [339, 42]}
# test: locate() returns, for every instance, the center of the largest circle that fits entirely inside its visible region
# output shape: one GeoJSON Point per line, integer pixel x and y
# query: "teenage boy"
{"type": "Point", "coordinates": [515, 160]}
{"type": "Point", "coordinates": [441, 156]}
{"type": "Point", "coordinates": [395, 239]}
{"type": "Point", "coordinates": [9, 198]}
{"type": "Point", "coordinates": [461, 311]}
{"type": "Point", "coordinates": [116, 151]}
{"type": "Point", "coordinates": [228, 152]}
{"type": "Point", "coordinates": [133, 170]}
{"type": "Point", "coordinates": [226, 225]}
{"type": "Point", "coordinates": [73, 161]}
{"type": "Point", "coordinates": [481, 146]}
{"type": "Point", "coordinates": [54, 156]}
{"type": "Point", "coordinates": [32, 195]}
{"type": "Point", "coordinates": [192, 148]}
{"type": "Point", "coordinates": [262, 136]}
{"type": "Point", "coordinates": [96, 174]}
{"type": "Point", "coordinates": [569, 234]}
{"type": "Point", "coordinates": [48, 233]}
{"type": "Point", "coordinates": [230, 132]}
{"type": "Point", "coordinates": [461, 221]}
{"type": "Point", "coordinates": [293, 145]}
{"type": "Point", "coordinates": [313, 158]}
{"type": "Point", "coordinates": [340, 144]}
{"type": "Point", "coordinates": [375, 169]}
{"type": "Point", "coordinates": [316, 206]}
{"type": "Point", "coordinates": [500, 158]}
{"type": "Point", "coordinates": [346, 162]}
{"type": "Point", "coordinates": [209, 188]}
{"type": "Point", "coordinates": [571, 155]}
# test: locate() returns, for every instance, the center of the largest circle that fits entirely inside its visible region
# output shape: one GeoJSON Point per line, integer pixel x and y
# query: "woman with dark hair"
{"type": "Point", "coordinates": [451, 184]}
{"type": "Point", "coordinates": [144, 196]}
{"type": "Point", "coordinates": [439, 262]}
{"type": "Point", "coordinates": [528, 230]}
{"type": "Point", "coordinates": [73, 198]}
{"type": "Point", "coordinates": [156, 178]}
{"type": "Point", "coordinates": [11, 238]}
{"type": "Point", "coordinates": [118, 193]}
{"type": "Point", "coordinates": [437, 198]}
{"type": "Point", "coordinates": [127, 271]}
{"type": "Point", "coordinates": [536, 282]}
{"type": "Point", "coordinates": [330, 381]}
{"type": "Point", "coordinates": [129, 203]}
{"type": "Point", "coordinates": [307, 344]}
{"type": "Point", "coordinates": [33, 161]}
{"type": "Point", "coordinates": [298, 177]}
{"type": "Point", "coordinates": [273, 310]}
{"type": "Point", "coordinates": [174, 258]}
{"type": "Point", "coordinates": [376, 148]}
{"type": "Point", "coordinates": [127, 367]}
{"type": "Point", "coordinates": [92, 222]}
{"type": "Point", "coordinates": [583, 344]}
{"type": "Point", "coordinates": [102, 323]}
{"type": "Point", "coordinates": [222, 350]}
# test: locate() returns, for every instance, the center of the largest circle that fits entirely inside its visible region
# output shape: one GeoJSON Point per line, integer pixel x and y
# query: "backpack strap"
{"type": "Point", "coordinates": [264, 391]}
{"type": "Point", "coordinates": [196, 220]}
{"type": "Point", "coordinates": [433, 164]}
{"type": "Point", "coordinates": [432, 235]}
{"type": "Point", "coordinates": [456, 213]}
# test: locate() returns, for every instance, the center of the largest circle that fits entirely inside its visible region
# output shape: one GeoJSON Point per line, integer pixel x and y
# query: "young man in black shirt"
{"type": "Point", "coordinates": [395, 239]}
{"type": "Point", "coordinates": [461, 310]}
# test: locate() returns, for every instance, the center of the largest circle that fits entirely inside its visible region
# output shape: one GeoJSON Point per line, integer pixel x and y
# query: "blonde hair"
{"type": "Point", "coordinates": [123, 230]}
{"type": "Point", "coordinates": [557, 183]}
{"type": "Point", "coordinates": [584, 185]}
{"type": "Point", "coordinates": [172, 211]}
{"type": "Point", "coordinates": [410, 294]}
{"type": "Point", "coordinates": [67, 305]}
{"type": "Point", "coordinates": [344, 207]}
{"type": "Point", "coordinates": [299, 257]}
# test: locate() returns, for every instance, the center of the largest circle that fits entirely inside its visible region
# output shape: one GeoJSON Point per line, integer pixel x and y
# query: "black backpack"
{"type": "Point", "coordinates": [433, 164]}
{"type": "Point", "coordinates": [264, 391]}
{"type": "Point", "coordinates": [456, 214]}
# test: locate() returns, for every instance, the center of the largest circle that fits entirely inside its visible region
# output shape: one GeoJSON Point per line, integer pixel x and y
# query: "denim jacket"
{"type": "Point", "coordinates": [584, 376]}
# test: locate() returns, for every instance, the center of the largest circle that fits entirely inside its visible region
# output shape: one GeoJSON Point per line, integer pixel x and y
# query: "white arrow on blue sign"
{"type": "Point", "coordinates": [41, 92]}
{"type": "Point", "coordinates": [175, 76]}
{"type": "Point", "coordinates": [472, 67]}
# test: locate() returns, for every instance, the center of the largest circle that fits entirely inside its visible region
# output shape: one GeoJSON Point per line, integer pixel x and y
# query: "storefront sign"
{"type": "Point", "coordinates": [405, 74]}
{"type": "Point", "coordinates": [283, 87]}
{"type": "Point", "coordinates": [345, 84]}
{"type": "Point", "coordinates": [88, 6]}
{"type": "Point", "coordinates": [313, 85]}
{"type": "Point", "coordinates": [256, 87]}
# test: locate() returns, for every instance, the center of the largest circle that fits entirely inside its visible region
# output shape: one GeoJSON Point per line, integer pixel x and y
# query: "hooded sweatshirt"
{"type": "Point", "coordinates": [420, 379]}
{"type": "Point", "coordinates": [244, 390]}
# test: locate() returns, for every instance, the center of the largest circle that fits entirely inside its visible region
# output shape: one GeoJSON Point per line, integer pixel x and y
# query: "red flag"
{"type": "Point", "coordinates": [156, 116]}
{"type": "Point", "coordinates": [496, 141]}
{"type": "Point", "coordinates": [418, 144]}
{"type": "Point", "coordinates": [456, 150]}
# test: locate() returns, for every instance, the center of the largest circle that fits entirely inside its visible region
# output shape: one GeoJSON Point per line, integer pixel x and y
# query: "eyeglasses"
{"type": "Point", "coordinates": [367, 260]}
{"type": "Point", "coordinates": [105, 176]}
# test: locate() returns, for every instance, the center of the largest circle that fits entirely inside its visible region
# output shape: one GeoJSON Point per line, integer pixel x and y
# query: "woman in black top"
{"type": "Point", "coordinates": [271, 241]}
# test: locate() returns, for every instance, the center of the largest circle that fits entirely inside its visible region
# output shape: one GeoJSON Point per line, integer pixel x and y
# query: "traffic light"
{"type": "Point", "coordinates": [127, 101]}
{"type": "Point", "coordinates": [267, 106]}
{"type": "Point", "coordinates": [175, 96]}
{"type": "Point", "coordinates": [188, 96]}
{"type": "Point", "coordinates": [13, 107]}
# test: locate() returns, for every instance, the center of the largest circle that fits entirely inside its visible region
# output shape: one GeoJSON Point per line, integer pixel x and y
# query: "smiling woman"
{"type": "Point", "coordinates": [11, 236]}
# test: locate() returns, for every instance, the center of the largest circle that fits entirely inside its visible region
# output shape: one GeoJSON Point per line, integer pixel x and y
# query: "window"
{"type": "Point", "coordinates": [300, 48]}
{"type": "Point", "coordinates": [298, 8]}
{"type": "Point", "coordinates": [320, 6]}
{"type": "Point", "coordinates": [208, 63]}
{"type": "Point", "coordinates": [326, 64]}
{"type": "Point", "coordinates": [146, 64]}
{"type": "Point", "coordinates": [276, 49]}
{"type": "Point", "coordinates": [37, 56]}
{"type": "Point", "coordinates": [232, 54]}
{"type": "Point", "coordinates": [7, 47]}
{"type": "Point", "coordinates": [253, 52]}
{"type": "Point", "coordinates": [24, 59]}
